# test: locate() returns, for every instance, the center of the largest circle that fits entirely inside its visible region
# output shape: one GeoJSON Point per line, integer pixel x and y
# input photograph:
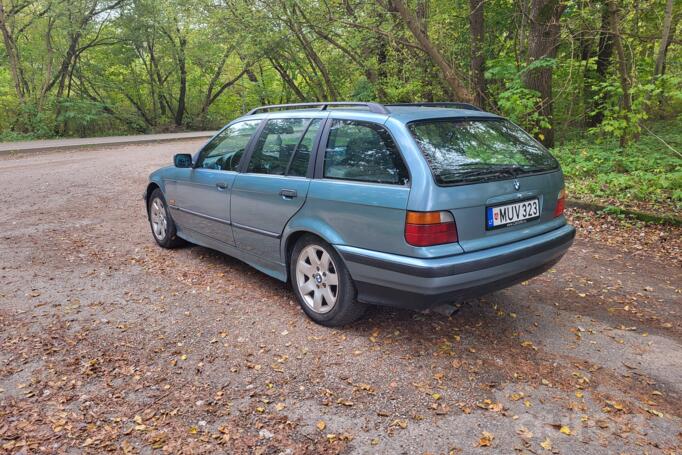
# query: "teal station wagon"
{"type": "Point", "coordinates": [410, 206]}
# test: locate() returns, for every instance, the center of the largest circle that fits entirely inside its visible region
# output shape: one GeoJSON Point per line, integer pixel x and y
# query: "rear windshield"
{"type": "Point", "coordinates": [474, 150]}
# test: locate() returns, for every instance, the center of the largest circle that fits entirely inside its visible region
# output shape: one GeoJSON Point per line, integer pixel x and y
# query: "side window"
{"type": "Point", "coordinates": [225, 151]}
{"type": "Point", "coordinates": [299, 162]}
{"type": "Point", "coordinates": [284, 147]}
{"type": "Point", "coordinates": [363, 151]}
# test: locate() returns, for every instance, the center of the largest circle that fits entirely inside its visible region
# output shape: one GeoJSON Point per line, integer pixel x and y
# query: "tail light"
{"type": "Point", "coordinates": [560, 203]}
{"type": "Point", "coordinates": [430, 228]}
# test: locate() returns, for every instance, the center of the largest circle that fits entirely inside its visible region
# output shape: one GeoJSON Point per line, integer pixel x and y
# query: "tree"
{"type": "Point", "coordinates": [476, 21]}
{"type": "Point", "coordinates": [543, 43]}
{"type": "Point", "coordinates": [451, 76]}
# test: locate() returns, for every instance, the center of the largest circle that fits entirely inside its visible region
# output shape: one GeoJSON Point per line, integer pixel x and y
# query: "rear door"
{"type": "Point", "coordinates": [362, 185]}
{"type": "Point", "coordinates": [200, 198]}
{"type": "Point", "coordinates": [274, 184]}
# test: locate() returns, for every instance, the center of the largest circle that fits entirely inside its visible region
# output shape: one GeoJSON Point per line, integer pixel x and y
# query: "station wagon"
{"type": "Point", "coordinates": [410, 206]}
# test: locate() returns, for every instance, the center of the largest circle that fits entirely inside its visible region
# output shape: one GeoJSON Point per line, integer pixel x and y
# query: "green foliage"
{"type": "Point", "coordinates": [515, 101]}
{"type": "Point", "coordinates": [126, 73]}
{"type": "Point", "coordinates": [646, 172]}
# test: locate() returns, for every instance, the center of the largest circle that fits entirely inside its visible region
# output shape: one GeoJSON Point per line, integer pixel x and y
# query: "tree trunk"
{"type": "Point", "coordinates": [604, 53]}
{"type": "Point", "coordinates": [623, 67]}
{"type": "Point", "coordinates": [542, 43]}
{"type": "Point", "coordinates": [13, 55]}
{"type": "Point", "coordinates": [182, 65]}
{"type": "Point", "coordinates": [287, 79]}
{"type": "Point", "coordinates": [452, 78]}
{"type": "Point", "coordinates": [665, 37]}
{"type": "Point", "coordinates": [476, 24]}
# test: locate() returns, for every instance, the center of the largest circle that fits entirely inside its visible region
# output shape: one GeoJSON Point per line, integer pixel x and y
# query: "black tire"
{"type": "Point", "coordinates": [345, 308]}
{"type": "Point", "coordinates": [166, 238]}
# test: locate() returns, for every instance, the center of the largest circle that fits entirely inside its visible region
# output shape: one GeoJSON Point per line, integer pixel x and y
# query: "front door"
{"type": "Point", "coordinates": [274, 186]}
{"type": "Point", "coordinates": [201, 200]}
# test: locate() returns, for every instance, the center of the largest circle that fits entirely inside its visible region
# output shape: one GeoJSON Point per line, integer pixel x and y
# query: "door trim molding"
{"type": "Point", "coordinates": [257, 231]}
{"type": "Point", "coordinates": [200, 215]}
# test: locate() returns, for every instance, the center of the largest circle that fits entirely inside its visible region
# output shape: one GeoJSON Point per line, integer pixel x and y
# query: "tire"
{"type": "Point", "coordinates": [161, 222]}
{"type": "Point", "coordinates": [322, 284]}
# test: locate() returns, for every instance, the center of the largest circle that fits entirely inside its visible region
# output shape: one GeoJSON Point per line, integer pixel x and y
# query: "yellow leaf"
{"type": "Point", "coordinates": [655, 412]}
{"type": "Point", "coordinates": [579, 394]}
{"type": "Point", "coordinates": [280, 406]}
{"type": "Point", "coordinates": [137, 419]}
{"type": "Point", "coordinates": [516, 396]}
{"type": "Point", "coordinates": [541, 136]}
{"type": "Point", "coordinates": [400, 423]}
{"type": "Point", "coordinates": [565, 430]}
{"type": "Point", "coordinates": [183, 357]}
{"type": "Point", "coordinates": [436, 396]}
{"type": "Point", "coordinates": [321, 425]}
{"type": "Point", "coordinates": [486, 439]}
{"type": "Point", "coordinates": [546, 444]}
{"type": "Point", "coordinates": [374, 442]}
{"type": "Point", "coordinates": [193, 430]}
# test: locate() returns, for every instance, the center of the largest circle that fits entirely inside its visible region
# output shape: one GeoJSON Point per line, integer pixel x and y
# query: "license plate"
{"type": "Point", "coordinates": [512, 214]}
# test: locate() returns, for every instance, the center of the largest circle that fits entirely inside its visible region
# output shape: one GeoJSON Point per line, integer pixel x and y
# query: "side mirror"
{"type": "Point", "coordinates": [182, 160]}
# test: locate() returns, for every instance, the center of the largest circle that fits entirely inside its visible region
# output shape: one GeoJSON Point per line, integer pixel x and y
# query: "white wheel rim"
{"type": "Point", "coordinates": [157, 216]}
{"type": "Point", "coordinates": [316, 279]}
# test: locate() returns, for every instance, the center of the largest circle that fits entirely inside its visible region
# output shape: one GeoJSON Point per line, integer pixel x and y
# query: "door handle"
{"type": "Point", "coordinates": [288, 194]}
{"type": "Point", "coordinates": [221, 186]}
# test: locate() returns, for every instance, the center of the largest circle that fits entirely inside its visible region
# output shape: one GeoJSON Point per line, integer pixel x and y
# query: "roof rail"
{"type": "Point", "coordinates": [466, 106]}
{"type": "Point", "coordinates": [373, 107]}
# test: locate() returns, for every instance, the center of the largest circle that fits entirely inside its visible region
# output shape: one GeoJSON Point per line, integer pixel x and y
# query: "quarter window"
{"type": "Point", "coordinates": [363, 151]}
{"type": "Point", "coordinates": [284, 147]}
{"type": "Point", "coordinates": [226, 149]}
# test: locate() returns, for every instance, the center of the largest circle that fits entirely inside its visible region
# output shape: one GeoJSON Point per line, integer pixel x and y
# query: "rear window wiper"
{"type": "Point", "coordinates": [482, 171]}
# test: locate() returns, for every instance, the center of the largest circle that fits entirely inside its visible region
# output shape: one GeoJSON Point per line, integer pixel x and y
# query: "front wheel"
{"type": "Point", "coordinates": [161, 223]}
{"type": "Point", "coordinates": [322, 284]}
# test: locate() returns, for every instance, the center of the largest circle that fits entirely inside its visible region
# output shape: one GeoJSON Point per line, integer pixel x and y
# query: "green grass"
{"type": "Point", "coordinates": [645, 175]}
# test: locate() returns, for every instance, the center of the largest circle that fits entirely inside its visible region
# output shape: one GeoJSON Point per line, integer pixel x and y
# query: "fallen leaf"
{"type": "Point", "coordinates": [565, 430]}
{"type": "Point", "coordinates": [524, 433]}
{"type": "Point", "coordinates": [399, 423]}
{"type": "Point", "coordinates": [486, 439]}
{"type": "Point", "coordinates": [321, 425]}
{"type": "Point", "coordinates": [546, 444]}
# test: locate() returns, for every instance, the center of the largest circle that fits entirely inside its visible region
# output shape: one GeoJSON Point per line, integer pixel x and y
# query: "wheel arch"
{"type": "Point", "coordinates": [148, 194]}
{"type": "Point", "coordinates": [293, 234]}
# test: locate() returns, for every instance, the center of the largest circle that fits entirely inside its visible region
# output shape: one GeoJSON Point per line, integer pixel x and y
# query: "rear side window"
{"type": "Point", "coordinates": [226, 149]}
{"type": "Point", "coordinates": [363, 151]}
{"type": "Point", "coordinates": [474, 150]}
{"type": "Point", "coordinates": [284, 147]}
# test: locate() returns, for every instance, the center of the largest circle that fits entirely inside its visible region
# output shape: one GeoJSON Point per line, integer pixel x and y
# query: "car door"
{"type": "Point", "coordinates": [200, 198]}
{"type": "Point", "coordinates": [274, 184]}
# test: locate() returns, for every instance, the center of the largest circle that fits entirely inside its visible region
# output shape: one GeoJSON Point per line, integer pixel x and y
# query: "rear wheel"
{"type": "Point", "coordinates": [161, 223]}
{"type": "Point", "coordinates": [322, 284]}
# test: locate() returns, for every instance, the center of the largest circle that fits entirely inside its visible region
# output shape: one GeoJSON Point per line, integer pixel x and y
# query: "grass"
{"type": "Point", "coordinates": [645, 175]}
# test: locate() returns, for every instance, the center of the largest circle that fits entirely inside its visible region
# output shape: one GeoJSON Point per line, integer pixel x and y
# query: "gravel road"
{"type": "Point", "coordinates": [109, 343]}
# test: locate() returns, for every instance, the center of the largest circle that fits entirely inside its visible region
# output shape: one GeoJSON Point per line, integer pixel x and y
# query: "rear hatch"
{"type": "Point", "coordinates": [500, 184]}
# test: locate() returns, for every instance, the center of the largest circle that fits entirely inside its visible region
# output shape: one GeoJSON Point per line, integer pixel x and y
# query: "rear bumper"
{"type": "Point", "coordinates": [406, 282]}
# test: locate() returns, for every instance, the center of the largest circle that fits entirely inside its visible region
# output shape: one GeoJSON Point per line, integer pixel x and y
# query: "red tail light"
{"type": "Point", "coordinates": [430, 228]}
{"type": "Point", "coordinates": [560, 203]}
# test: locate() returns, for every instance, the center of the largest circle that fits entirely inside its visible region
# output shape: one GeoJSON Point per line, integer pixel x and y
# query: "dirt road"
{"type": "Point", "coordinates": [108, 342]}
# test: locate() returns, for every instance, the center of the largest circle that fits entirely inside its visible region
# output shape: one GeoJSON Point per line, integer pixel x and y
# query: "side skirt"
{"type": "Point", "coordinates": [273, 269]}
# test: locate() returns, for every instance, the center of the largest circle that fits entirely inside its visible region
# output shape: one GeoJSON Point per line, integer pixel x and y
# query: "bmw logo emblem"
{"type": "Point", "coordinates": [517, 185]}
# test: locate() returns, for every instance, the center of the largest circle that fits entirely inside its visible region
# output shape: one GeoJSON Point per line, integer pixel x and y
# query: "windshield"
{"type": "Point", "coordinates": [474, 150]}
